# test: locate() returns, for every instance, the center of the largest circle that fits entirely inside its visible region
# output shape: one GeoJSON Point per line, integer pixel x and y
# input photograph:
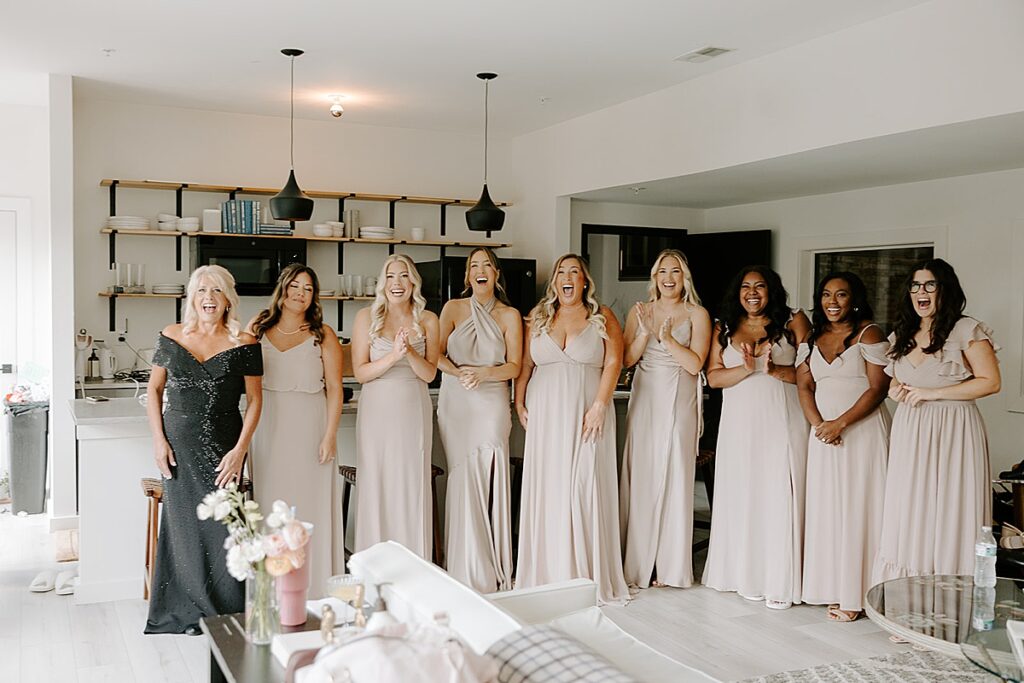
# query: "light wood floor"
{"type": "Point", "coordinates": [46, 637]}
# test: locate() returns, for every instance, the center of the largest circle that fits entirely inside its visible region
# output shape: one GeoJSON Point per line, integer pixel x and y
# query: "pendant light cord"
{"type": "Point", "coordinates": [292, 141]}
{"type": "Point", "coordinates": [486, 111]}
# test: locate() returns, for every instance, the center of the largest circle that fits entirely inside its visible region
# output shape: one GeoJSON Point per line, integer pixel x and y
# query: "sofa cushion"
{"type": "Point", "coordinates": [592, 628]}
{"type": "Point", "coordinates": [543, 654]}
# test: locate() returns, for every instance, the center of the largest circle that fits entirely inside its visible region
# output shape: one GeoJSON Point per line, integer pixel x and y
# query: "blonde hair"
{"type": "Point", "coordinates": [379, 307]}
{"type": "Point", "coordinates": [222, 279]}
{"type": "Point", "coordinates": [689, 291]}
{"type": "Point", "coordinates": [543, 314]}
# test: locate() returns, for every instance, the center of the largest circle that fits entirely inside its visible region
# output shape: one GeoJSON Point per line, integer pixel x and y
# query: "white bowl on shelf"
{"type": "Point", "coordinates": [323, 230]}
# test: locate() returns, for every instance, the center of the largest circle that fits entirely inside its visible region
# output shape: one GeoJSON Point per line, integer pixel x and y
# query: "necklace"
{"type": "Point", "coordinates": [300, 328]}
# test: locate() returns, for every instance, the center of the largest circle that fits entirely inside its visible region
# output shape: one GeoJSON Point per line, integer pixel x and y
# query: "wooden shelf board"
{"type": "Point", "coordinates": [346, 298]}
{"type": "Point", "coordinates": [155, 233]}
{"type": "Point", "coordinates": [141, 296]}
{"type": "Point", "coordinates": [313, 238]}
{"type": "Point", "coordinates": [270, 191]}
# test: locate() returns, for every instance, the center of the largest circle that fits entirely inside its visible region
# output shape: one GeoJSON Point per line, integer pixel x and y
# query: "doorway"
{"type": "Point", "coordinates": [8, 331]}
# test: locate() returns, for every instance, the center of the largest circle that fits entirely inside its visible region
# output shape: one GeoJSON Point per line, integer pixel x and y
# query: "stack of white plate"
{"type": "Point", "coordinates": [128, 223]}
{"type": "Point", "coordinates": [166, 221]}
{"type": "Point", "coordinates": [188, 224]}
{"type": "Point", "coordinates": [376, 233]}
{"type": "Point", "coordinates": [326, 292]}
{"type": "Point", "coordinates": [169, 289]}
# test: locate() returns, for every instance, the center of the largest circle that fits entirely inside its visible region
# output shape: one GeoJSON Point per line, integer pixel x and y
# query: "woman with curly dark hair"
{"type": "Point", "coordinates": [757, 526]}
{"type": "Point", "coordinates": [842, 384]}
{"type": "Point", "coordinates": [294, 447]}
{"type": "Point", "coordinates": [937, 492]}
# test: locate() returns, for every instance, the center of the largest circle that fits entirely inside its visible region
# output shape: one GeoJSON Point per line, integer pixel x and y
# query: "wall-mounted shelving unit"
{"type": "Point", "coordinates": [180, 188]}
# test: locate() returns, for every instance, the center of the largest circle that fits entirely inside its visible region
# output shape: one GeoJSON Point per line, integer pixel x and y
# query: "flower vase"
{"type": "Point", "coordinates": [261, 618]}
{"type": "Point", "coordinates": [291, 595]}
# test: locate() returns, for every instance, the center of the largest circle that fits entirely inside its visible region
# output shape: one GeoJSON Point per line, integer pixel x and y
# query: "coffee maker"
{"type": "Point", "coordinates": [83, 347]}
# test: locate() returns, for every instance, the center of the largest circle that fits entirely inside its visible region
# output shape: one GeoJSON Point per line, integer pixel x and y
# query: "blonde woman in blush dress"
{"type": "Point", "coordinates": [938, 491]}
{"type": "Point", "coordinates": [481, 347]}
{"type": "Point", "coordinates": [667, 338]}
{"type": "Point", "coordinates": [394, 357]}
{"type": "Point", "coordinates": [294, 447]}
{"type": "Point", "coordinates": [842, 385]}
{"type": "Point", "coordinates": [569, 524]}
{"type": "Point", "coordinates": [761, 458]}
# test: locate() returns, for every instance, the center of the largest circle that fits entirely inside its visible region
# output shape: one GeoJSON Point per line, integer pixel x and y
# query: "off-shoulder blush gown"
{"type": "Point", "coordinates": [760, 463]}
{"type": "Point", "coordinates": [845, 483]}
{"type": "Point", "coordinates": [474, 425]}
{"type": "Point", "coordinates": [937, 491]}
{"type": "Point", "coordinates": [569, 525]}
{"type": "Point", "coordinates": [286, 448]}
{"type": "Point", "coordinates": [656, 489]}
{"type": "Point", "coordinates": [394, 432]}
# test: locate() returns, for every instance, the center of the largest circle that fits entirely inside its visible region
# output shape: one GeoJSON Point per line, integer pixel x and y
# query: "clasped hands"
{"type": "Point", "coordinates": [915, 396]}
{"type": "Point", "coordinates": [402, 344]}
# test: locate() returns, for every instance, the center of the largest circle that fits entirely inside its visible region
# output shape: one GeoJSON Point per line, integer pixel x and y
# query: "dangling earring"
{"type": "Point", "coordinates": [856, 308]}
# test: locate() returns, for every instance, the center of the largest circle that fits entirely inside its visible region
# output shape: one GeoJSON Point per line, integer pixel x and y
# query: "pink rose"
{"type": "Point", "coordinates": [274, 544]}
{"type": "Point", "coordinates": [295, 535]}
{"type": "Point", "coordinates": [297, 557]}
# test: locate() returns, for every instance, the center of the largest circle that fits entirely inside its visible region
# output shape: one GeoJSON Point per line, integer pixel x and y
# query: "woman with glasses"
{"type": "Point", "coordinates": [937, 492]}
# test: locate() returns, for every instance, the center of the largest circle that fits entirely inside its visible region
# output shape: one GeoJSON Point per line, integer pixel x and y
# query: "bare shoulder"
{"type": "Point", "coordinates": [330, 336]}
{"type": "Point", "coordinates": [453, 307]}
{"type": "Point", "coordinates": [700, 314]}
{"type": "Point", "coordinates": [872, 334]}
{"type": "Point", "coordinates": [509, 315]}
{"type": "Point", "coordinates": [363, 316]}
{"type": "Point", "coordinates": [246, 338]}
{"type": "Point", "coordinates": [608, 313]}
{"type": "Point", "coordinates": [174, 331]}
{"type": "Point", "coordinates": [429, 318]}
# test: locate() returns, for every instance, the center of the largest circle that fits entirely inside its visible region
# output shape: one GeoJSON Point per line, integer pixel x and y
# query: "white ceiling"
{"type": "Point", "coordinates": [979, 146]}
{"type": "Point", "coordinates": [410, 63]}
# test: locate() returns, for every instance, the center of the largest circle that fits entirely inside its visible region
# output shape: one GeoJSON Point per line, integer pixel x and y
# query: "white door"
{"type": "Point", "coordinates": [8, 325]}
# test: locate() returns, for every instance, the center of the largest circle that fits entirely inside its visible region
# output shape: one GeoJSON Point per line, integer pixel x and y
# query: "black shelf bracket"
{"type": "Point", "coordinates": [113, 197]}
{"type": "Point", "coordinates": [444, 216]}
{"type": "Point", "coordinates": [177, 252]}
{"type": "Point", "coordinates": [112, 246]}
{"type": "Point", "coordinates": [341, 207]}
{"type": "Point", "coordinates": [177, 200]}
{"type": "Point", "coordinates": [341, 315]}
{"type": "Point", "coordinates": [444, 277]}
{"type": "Point", "coordinates": [112, 309]}
{"type": "Point", "coordinates": [232, 193]}
{"type": "Point", "coordinates": [391, 250]}
{"type": "Point", "coordinates": [391, 210]}
{"type": "Point", "coordinates": [177, 309]}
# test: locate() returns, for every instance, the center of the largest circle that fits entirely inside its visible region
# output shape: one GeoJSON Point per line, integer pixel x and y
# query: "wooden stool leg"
{"type": "Point", "coordinates": [151, 532]}
{"type": "Point", "coordinates": [438, 550]}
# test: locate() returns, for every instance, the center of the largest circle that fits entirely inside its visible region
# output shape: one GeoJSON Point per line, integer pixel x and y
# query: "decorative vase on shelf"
{"type": "Point", "coordinates": [292, 589]}
{"type": "Point", "coordinates": [261, 617]}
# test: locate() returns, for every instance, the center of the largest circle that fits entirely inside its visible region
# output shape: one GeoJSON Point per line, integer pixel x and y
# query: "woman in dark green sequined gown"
{"type": "Point", "coordinates": [200, 440]}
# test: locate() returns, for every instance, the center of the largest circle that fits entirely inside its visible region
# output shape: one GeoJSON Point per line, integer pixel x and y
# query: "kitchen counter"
{"type": "Point", "coordinates": [114, 411]}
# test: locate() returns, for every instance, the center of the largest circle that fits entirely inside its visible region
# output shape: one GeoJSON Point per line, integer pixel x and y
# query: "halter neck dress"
{"type": "Point", "coordinates": [286, 449]}
{"type": "Point", "coordinates": [475, 426]}
{"type": "Point", "coordinates": [394, 431]}
{"type": "Point", "coordinates": [845, 483]}
{"type": "Point", "coordinates": [569, 524]}
{"type": "Point", "coordinates": [760, 463]}
{"type": "Point", "coordinates": [656, 489]}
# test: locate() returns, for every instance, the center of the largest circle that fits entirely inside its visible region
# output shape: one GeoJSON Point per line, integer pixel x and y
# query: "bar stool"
{"type": "Point", "coordinates": [348, 473]}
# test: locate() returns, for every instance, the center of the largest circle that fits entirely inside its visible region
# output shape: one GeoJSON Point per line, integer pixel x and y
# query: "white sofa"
{"type": "Point", "coordinates": [416, 590]}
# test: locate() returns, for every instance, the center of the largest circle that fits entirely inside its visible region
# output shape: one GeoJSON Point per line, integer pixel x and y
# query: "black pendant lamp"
{"type": "Point", "coordinates": [485, 216]}
{"type": "Point", "coordinates": [290, 204]}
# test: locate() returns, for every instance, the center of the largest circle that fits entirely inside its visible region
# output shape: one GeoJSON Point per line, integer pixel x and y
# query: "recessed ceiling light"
{"type": "Point", "coordinates": [545, 100]}
{"type": "Point", "coordinates": [107, 51]}
{"type": "Point", "coordinates": [703, 54]}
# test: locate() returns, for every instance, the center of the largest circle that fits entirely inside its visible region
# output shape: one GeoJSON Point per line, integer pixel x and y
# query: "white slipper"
{"type": "Point", "coordinates": [66, 582]}
{"type": "Point", "coordinates": [43, 582]}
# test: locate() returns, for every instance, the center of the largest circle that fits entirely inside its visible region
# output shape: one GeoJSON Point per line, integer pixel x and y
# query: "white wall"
{"type": "Point", "coordinates": [980, 216]}
{"type": "Point", "coordinates": [117, 140]}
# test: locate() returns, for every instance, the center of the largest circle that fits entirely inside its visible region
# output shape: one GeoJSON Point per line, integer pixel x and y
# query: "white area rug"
{"type": "Point", "coordinates": [909, 667]}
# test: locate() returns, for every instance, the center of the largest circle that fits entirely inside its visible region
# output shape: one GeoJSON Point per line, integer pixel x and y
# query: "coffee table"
{"type": "Point", "coordinates": [234, 660]}
{"type": "Point", "coordinates": [936, 612]}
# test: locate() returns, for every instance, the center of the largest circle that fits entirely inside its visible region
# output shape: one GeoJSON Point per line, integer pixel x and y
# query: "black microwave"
{"type": "Point", "coordinates": [255, 262]}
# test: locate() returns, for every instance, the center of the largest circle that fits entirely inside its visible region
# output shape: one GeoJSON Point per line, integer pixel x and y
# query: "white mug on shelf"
{"type": "Point", "coordinates": [418, 234]}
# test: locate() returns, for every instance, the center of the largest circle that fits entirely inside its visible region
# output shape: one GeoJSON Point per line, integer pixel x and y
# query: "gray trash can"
{"type": "Point", "coordinates": [27, 446]}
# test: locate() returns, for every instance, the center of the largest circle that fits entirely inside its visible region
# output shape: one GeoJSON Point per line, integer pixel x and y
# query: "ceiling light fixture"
{"type": "Point", "coordinates": [703, 54]}
{"type": "Point", "coordinates": [336, 109]}
{"type": "Point", "coordinates": [290, 204]}
{"type": "Point", "coordinates": [485, 216]}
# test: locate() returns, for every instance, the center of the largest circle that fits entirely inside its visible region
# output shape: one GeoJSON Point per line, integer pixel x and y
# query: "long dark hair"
{"type": "Point", "coordinates": [949, 307]}
{"type": "Point", "coordinates": [269, 317]}
{"type": "Point", "coordinates": [778, 313]}
{"type": "Point", "coordinates": [860, 308]}
{"type": "Point", "coordinates": [499, 282]}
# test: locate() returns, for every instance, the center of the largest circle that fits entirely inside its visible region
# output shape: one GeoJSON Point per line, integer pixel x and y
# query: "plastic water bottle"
{"type": "Point", "coordinates": [985, 559]}
{"type": "Point", "coordinates": [983, 612]}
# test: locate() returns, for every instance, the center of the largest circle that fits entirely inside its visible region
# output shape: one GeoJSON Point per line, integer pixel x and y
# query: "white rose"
{"type": "Point", "coordinates": [238, 566]}
{"type": "Point", "coordinates": [203, 511]}
{"type": "Point", "coordinates": [221, 510]}
{"type": "Point", "coordinates": [253, 550]}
